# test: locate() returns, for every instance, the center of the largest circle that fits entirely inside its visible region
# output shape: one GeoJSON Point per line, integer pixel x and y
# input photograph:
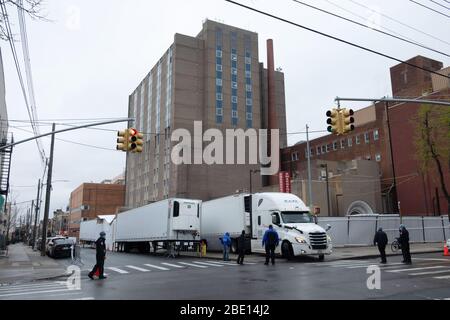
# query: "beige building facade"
{"type": "Point", "coordinates": [214, 78]}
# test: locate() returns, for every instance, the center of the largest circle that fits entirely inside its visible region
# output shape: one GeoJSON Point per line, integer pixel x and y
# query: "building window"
{"type": "Point", "coordinates": [234, 99]}
{"type": "Point", "coordinates": [378, 157]}
{"type": "Point", "coordinates": [233, 71]}
{"type": "Point", "coordinates": [248, 87]}
{"type": "Point", "coordinates": [312, 151]}
{"type": "Point", "coordinates": [248, 60]}
{"type": "Point", "coordinates": [248, 74]}
{"type": "Point", "coordinates": [249, 116]}
{"type": "Point", "coordinates": [234, 57]}
{"type": "Point", "coordinates": [219, 111]}
{"type": "Point", "coordinates": [357, 141]}
{"type": "Point", "coordinates": [219, 96]}
{"type": "Point", "coordinates": [324, 149]}
{"type": "Point", "coordinates": [318, 151]}
{"type": "Point", "coordinates": [234, 85]}
{"type": "Point", "coordinates": [375, 135]}
{"type": "Point", "coordinates": [328, 147]}
{"type": "Point", "coordinates": [294, 156]}
{"type": "Point", "coordinates": [349, 141]}
{"type": "Point", "coordinates": [219, 82]}
{"type": "Point", "coordinates": [366, 137]}
{"type": "Point", "coordinates": [234, 114]}
{"type": "Point", "coordinates": [248, 102]}
{"type": "Point", "coordinates": [335, 145]}
{"type": "Point", "coordinates": [342, 143]}
{"type": "Point", "coordinates": [219, 53]}
{"type": "Point", "coordinates": [218, 67]}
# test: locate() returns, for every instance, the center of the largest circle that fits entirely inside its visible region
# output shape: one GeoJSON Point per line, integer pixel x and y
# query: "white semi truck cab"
{"type": "Point", "coordinates": [291, 218]}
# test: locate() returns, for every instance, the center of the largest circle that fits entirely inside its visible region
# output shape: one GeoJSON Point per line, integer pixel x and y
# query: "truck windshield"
{"type": "Point", "coordinates": [296, 217]}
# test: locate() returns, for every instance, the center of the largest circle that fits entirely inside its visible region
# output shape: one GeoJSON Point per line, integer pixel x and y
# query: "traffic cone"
{"type": "Point", "coordinates": [446, 251]}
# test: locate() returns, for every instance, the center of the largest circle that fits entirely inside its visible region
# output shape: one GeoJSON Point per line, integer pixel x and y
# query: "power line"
{"type": "Point", "coordinates": [335, 38]}
{"type": "Point", "coordinates": [19, 72]}
{"type": "Point", "coordinates": [401, 38]}
{"type": "Point", "coordinates": [440, 4]}
{"type": "Point", "coordinates": [397, 21]}
{"type": "Point", "coordinates": [422, 5]}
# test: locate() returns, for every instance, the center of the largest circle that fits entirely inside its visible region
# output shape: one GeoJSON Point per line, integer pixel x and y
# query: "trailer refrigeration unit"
{"type": "Point", "coordinates": [289, 216]}
{"type": "Point", "coordinates": [171, 224]}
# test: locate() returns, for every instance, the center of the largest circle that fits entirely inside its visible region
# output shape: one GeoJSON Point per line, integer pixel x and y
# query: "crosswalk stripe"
{"type": "Point", "coordinates": [428, 272]}
{"type": "Point", "coordinates": [442, 277]}
{"type": "Point", "coordinates": [414, 269]}
{"type": "Point", "coordinates": [156, 267]}
{"type": "Point", "coordinates": [431, 259]}
{"type": "Point", "coordinates": [172, 265]}
{"type": "Point", "coordinates": [30, 285]}
{"type": "Point", "coordinates": [29, 289]}
{"type": "Point", "coordinates": [192, 265]}
{"type": "Point", "coordinates": [227, 263]}
{"type": "Point", "coordinates": [383, 266]}
{"type": "Point", "coordinates": [138, 268]}
{"type": "Point", "coordinates": [117, 270]}
{"type": "Point", "coordinates": [34, 292]}
{"type": "Point", "coordinates": [209, 264]}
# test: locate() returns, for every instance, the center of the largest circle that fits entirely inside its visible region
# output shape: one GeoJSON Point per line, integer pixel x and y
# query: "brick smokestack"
{"type": "Point", "coordinates": [272, 121]}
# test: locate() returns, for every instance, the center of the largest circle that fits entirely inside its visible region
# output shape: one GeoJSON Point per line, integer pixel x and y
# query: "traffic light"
{"type": "Point", "coordinates": [348, 120]}
{"type": "Point", "coordinates": [122, 139]}
{"type": "Point", "coordinates": [139, 143]}
{"type": "Point", "coordinates": [333, 121]}
{"type": "Point", "coordinates": [132, 132]}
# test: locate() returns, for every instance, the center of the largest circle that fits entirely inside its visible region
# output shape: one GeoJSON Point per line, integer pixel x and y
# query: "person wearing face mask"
{"type": "Point", "coordinates": [100, 257]}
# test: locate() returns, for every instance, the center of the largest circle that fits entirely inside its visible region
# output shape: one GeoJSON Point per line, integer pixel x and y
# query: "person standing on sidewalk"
{"type": "Point", "coordinates": [226, 244]}
{"type": "Point", "coordinates": [270, 241]}
{"type": "Point", "coordinates": [381, 240]}
{"type": "Point", "coordinates": [241, 248]}
{"type": "Point", "coordinates": [100, 248]}
{"type": "Point", "coordinates": [404, 242]}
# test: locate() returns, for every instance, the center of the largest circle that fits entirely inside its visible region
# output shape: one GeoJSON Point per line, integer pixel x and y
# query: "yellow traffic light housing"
{"type": "Point", "coordinates": [348, 120]}
{"type": "Point", "coordinates": [333, 121]}
{"type": "Point", "coordinates": [139, 143]}
{"type": "Point", "coordinates": [122, 139]}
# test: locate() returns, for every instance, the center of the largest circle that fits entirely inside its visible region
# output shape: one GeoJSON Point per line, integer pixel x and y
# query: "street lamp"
{"type": "Point", "coordinates": [250, 174]}
{"type": "Point", "coordinates": [324, 165]}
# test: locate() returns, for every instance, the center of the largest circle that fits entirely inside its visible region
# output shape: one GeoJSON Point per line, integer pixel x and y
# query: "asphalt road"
{"type": "Point", "coordinates": [136, 277]}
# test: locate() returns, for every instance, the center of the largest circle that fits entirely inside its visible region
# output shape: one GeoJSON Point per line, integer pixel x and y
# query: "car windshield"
{"type": "Point", "coordinates": [62, 241]}
{"type": "Point", "coordinates": [296, 217]}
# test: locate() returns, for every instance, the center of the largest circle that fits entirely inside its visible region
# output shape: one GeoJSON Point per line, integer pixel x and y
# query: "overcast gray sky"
{"type": "Point", "coordinates": [93, 54]}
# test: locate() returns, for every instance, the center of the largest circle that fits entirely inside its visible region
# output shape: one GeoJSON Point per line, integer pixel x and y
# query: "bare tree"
{"type": "Point", "coordinates": [33, 8]}
{"type": "Point", "coordinates": [433, 143]}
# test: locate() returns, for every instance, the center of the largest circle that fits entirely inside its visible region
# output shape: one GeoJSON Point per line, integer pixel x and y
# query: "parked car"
{"type": "Point", "coordinates": [60, 248]}
{"type": "Point", "coordinates": [49, 243]}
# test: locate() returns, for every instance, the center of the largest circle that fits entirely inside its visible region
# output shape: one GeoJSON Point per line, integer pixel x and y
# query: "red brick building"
{"type": "Point", "coordinates": [417, 192]}
{"type": "Point", "coordinates": [92, 199]}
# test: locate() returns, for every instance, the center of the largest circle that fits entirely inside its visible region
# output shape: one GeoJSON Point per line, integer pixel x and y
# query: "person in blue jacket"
{"type": "Point", "coordinates": [226, 244]}
{"type": "Point", "coordinates": [270, 242]}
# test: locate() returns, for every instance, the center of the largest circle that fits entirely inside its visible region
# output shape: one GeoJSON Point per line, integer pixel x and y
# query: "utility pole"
{"type": "Point", "coordinates": [36, 214]}
{"type": "Point", "coordinates": [309, 168]}
{"type": "Point", "coordinates": [47, 194]}
{"type": "Point", "coordinates": [391, 153]}
{"type": "Point", "coordinates": [328, 189]}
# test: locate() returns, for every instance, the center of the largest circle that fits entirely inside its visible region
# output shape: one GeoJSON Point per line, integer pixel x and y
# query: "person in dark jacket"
{"type": "Point", "coordinates": [404, 242]}
{"type": "Point", "coordinates": [241, 248]}
{"type": "Point", "coordinates": [270, 241]}
{"type": "Point", "coordinates": [381, 240]}
{"type": "Point", "coordinates": [100, 257]}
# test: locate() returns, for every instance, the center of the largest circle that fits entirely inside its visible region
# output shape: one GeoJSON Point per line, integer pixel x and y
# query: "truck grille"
{"type": "Point", "coordinates": [318, 240]}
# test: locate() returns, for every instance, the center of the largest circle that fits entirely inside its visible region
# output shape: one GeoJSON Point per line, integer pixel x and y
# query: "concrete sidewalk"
{"type": "Point", "coordinates": [347, 252]}
{"type": "Point", "coordinates": [24, 265]}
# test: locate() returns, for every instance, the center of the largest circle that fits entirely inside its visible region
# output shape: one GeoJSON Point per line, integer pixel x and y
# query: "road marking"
{"type": "Point", "coordinates": [47, 286]}
{"type": "Point", "coordinates": [228, 263]}
{"type": "Point", "coordinates": [192, 265]}
{"type": "Point", "coordinates": [383, 266]}
{"type": "Point", "coordinates": [156, 267]}
{"type": "Point", "coordinates": [117, 270]}
{"type": "Point", "coordinates": [209, 264]}
{"type": "Point", "coordinates": [172, 265]}
{"type": "Point", "coordinates": [84, 298]}
{"type": "Point", "coordinates": [442, 277]}
{"type": "Point", "coordinates": [428, 272]}
{"type": "Point", "coordinates": [432, 259]}
{"type": "Point", "coordinates": [36, 264]}
{"type": "Point", "coordinates": [29, 293]}
{"type": "Point", "coordinates": [138, 269]}
{"type": "Point", "coordinates": [414, 269]}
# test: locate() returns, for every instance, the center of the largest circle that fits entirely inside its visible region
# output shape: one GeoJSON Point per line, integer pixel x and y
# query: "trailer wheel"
{"type": "Point", "coordinates": [321, 257]}
{"type": "Point", "coordinates": [286, 250]}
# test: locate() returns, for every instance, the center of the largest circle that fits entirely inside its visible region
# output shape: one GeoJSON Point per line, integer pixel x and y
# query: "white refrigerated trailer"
{"type": "Point", "coordinates": [90, 230]}
{"type": "Point", "coordinates": [167, 224]}
{"type": "Point", "coordinates": [289, 216]}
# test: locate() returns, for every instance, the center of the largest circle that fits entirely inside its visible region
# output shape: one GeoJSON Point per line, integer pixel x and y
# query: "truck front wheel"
{"type": "Point", "coordinates": [286, 250]}
{"type": "Point", "coordinates": [321, 257]}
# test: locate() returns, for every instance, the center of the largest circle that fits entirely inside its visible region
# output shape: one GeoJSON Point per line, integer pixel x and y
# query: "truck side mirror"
{"type": "Point", "coordinates": [328, 227]}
